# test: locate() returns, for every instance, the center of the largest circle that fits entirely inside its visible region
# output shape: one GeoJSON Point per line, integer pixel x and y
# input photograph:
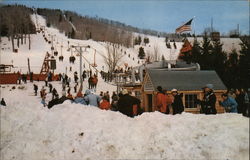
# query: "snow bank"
{"type": "Point", "coordinates": [73, 131]}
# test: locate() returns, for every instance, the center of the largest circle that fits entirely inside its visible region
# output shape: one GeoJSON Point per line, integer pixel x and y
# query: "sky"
{"type": "Point", "coordinates": [160, 15]}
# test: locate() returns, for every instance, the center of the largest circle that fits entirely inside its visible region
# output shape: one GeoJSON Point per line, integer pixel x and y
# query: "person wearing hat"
{"type": "Point", "coordinates": [177, 104]}
{"type": "Point", "coordinates": [161, 100]}
{"type": "Point", "coordinates": [209, 100]}
{"type": "Point", "coordinates": [126, 103]}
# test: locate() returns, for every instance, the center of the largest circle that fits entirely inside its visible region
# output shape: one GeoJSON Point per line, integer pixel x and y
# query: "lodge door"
{"type": "Point", "coordinates": [150, 102]}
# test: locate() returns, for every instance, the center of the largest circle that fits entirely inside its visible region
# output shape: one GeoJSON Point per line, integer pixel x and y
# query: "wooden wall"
{"type": "Point", "coordinates": [145, 101]}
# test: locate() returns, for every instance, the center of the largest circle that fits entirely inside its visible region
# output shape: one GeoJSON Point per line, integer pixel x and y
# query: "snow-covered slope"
{"type": "Point", "coordinates": [39, 47]}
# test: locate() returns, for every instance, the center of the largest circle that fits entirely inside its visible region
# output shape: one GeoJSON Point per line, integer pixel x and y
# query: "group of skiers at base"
{"type": "Point", "coordinates": [124, 103]}
{"type": "Point", "coordinates": [169, 103]}
{"type": "Point", "coordinates": [172, 103]}
{"type": "Point", "coordinates": [228, 102]}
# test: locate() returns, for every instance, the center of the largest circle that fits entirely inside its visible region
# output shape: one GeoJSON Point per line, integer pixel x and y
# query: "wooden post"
{"type": "Point", "coordinates": [29, 42]}
{"type": "Point", "coordinates": [29, 65]}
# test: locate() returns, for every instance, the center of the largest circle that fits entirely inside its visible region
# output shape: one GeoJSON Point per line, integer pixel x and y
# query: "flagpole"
{"type": "Point", "coordinates": [212, 28]}
{"type": "Point", "coordinates": [194, 25]}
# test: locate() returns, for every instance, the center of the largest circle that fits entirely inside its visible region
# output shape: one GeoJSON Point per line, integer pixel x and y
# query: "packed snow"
{"type": "Point", "coordinates": [74, 131]}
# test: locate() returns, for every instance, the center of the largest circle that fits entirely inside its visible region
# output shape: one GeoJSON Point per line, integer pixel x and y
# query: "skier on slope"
{"type": "Point", "coordinates": [35, 89]}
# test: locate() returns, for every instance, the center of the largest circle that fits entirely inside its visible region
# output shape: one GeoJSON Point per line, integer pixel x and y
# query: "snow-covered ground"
{"type": "Point", "coordinates": [74, 131]}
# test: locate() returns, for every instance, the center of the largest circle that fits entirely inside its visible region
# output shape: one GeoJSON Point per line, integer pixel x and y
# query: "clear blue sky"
{"type": "Point", "coordinates": [160, 15]}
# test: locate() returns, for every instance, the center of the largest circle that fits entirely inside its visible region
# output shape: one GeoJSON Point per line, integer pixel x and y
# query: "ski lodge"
{"type": "Point", "coordinates": [188, 79]}
{"type": "Point", "coordinates": [190, 83]}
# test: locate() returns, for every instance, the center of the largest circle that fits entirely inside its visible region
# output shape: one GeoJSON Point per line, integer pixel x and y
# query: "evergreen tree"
{"type": "Point", "coordinates": [205, 61]}
{"type": "Point", "coordinates": [196, 52]}
{"type": "Point", "coordinates": [244, 64]}
{"type": "Point", "coordinates": [218, 57]}
{"type": "Point", "coordinates": [48, 24]}
{"type": "Point", "coordinates": [135, 41]}
{"type": "Point", "coordinates": [146, 40]}
{"type": "Point", "coordinates": [60, 18]}
{"type": "Point", "coordinates": [141, 54]}
{"type": "Point", "coordinates": [73, 33]}
{"type": "Point", "coordinates": [139, 40]}
{"type": "Point", "coordinates": [231, 74]}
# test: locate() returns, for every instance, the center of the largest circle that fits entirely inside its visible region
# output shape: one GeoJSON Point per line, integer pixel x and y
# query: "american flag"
{"type": "Point", "coordinates": [184, 27]}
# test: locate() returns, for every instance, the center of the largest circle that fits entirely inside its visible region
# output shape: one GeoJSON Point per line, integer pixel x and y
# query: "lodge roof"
{"type": "Point", "coordinates": [184, 80]}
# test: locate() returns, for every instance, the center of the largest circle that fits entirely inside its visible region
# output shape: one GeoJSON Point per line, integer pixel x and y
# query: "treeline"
{"type": "Point", "coordinates": [233, 68]}
{"type": "Point", "coordinates": [82, 27]}
{"type": "Point", "coordinates": [16, 24]}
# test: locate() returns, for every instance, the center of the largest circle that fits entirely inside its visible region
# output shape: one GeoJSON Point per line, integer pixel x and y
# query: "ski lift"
{"type": "Point", "coordinates": [61, 56]}
{"type": "Point", "coordinates": [72, 58]}
{"type": "Point", "coordinates": [55, 53]}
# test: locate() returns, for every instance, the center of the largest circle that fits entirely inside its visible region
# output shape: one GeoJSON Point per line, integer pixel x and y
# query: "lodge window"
{"type": "Point", "coordinates": [190, 100]}
{"type": "Point", "coordinates": [138, 94]}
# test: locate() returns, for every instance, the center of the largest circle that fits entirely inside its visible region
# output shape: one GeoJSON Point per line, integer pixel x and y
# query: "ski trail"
{"type": "Point", "coordinates": [72, 25]}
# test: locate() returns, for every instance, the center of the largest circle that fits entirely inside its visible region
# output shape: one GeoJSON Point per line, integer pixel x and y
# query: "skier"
{"type": "Point", "coordinates": [54, 94]}
{"type": "Point", "coordinates": [3, 103]}
{"type": "Point", "coordinates": [75, 87]}
{"type": "Point", "coordinates": [50, 88]}
{"type": "Point", "coordinates": [92, 99]}
{"type": "Point", "coordinates": [75, 77]}
{"type": "Point", "coordinates": [35, 89]}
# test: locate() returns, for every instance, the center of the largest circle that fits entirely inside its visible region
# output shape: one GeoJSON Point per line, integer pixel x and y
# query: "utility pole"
{"type": "Point", "coordinates": [80, 74]}
{"type": "Point", "coordinates": [212, 28]}
{"type": "Point", "coordinates": [238, 29]}
{"type": "Point", "coordinates": [79, 50]}
{"type": "Point", "coordinates": [29, 65]}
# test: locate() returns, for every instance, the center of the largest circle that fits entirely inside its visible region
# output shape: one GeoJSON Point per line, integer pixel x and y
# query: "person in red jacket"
{"type": "Point", "coordinates": [105, 103]}
{"type": "Point", "coordinates": [161, 100]}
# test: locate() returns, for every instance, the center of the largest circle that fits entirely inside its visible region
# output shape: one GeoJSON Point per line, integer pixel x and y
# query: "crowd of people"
{"type": "Point", "coordinates": [233, 101]}
{"type": "Point", "coordinates": [123, 102]}
{"type": "Point", "coordinates": [169, 103]}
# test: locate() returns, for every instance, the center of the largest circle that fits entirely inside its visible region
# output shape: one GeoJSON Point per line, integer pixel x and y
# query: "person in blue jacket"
{"type": "Point", "coordinates": [92, 99]}
{"type": "Point", "coordinates": [228, 103]}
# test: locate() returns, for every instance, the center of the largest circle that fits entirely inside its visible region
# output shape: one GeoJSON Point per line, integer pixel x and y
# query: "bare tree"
{"type": "Point", "coordinates": [156, 53]}
{"type": "Point", "coordinates": [149, 57]}
{"type": "Point", "coordinates": [113, 57]}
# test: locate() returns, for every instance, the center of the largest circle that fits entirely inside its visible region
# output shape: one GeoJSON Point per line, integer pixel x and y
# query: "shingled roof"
{"type": "Point", "coordinates": [184, 80]}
